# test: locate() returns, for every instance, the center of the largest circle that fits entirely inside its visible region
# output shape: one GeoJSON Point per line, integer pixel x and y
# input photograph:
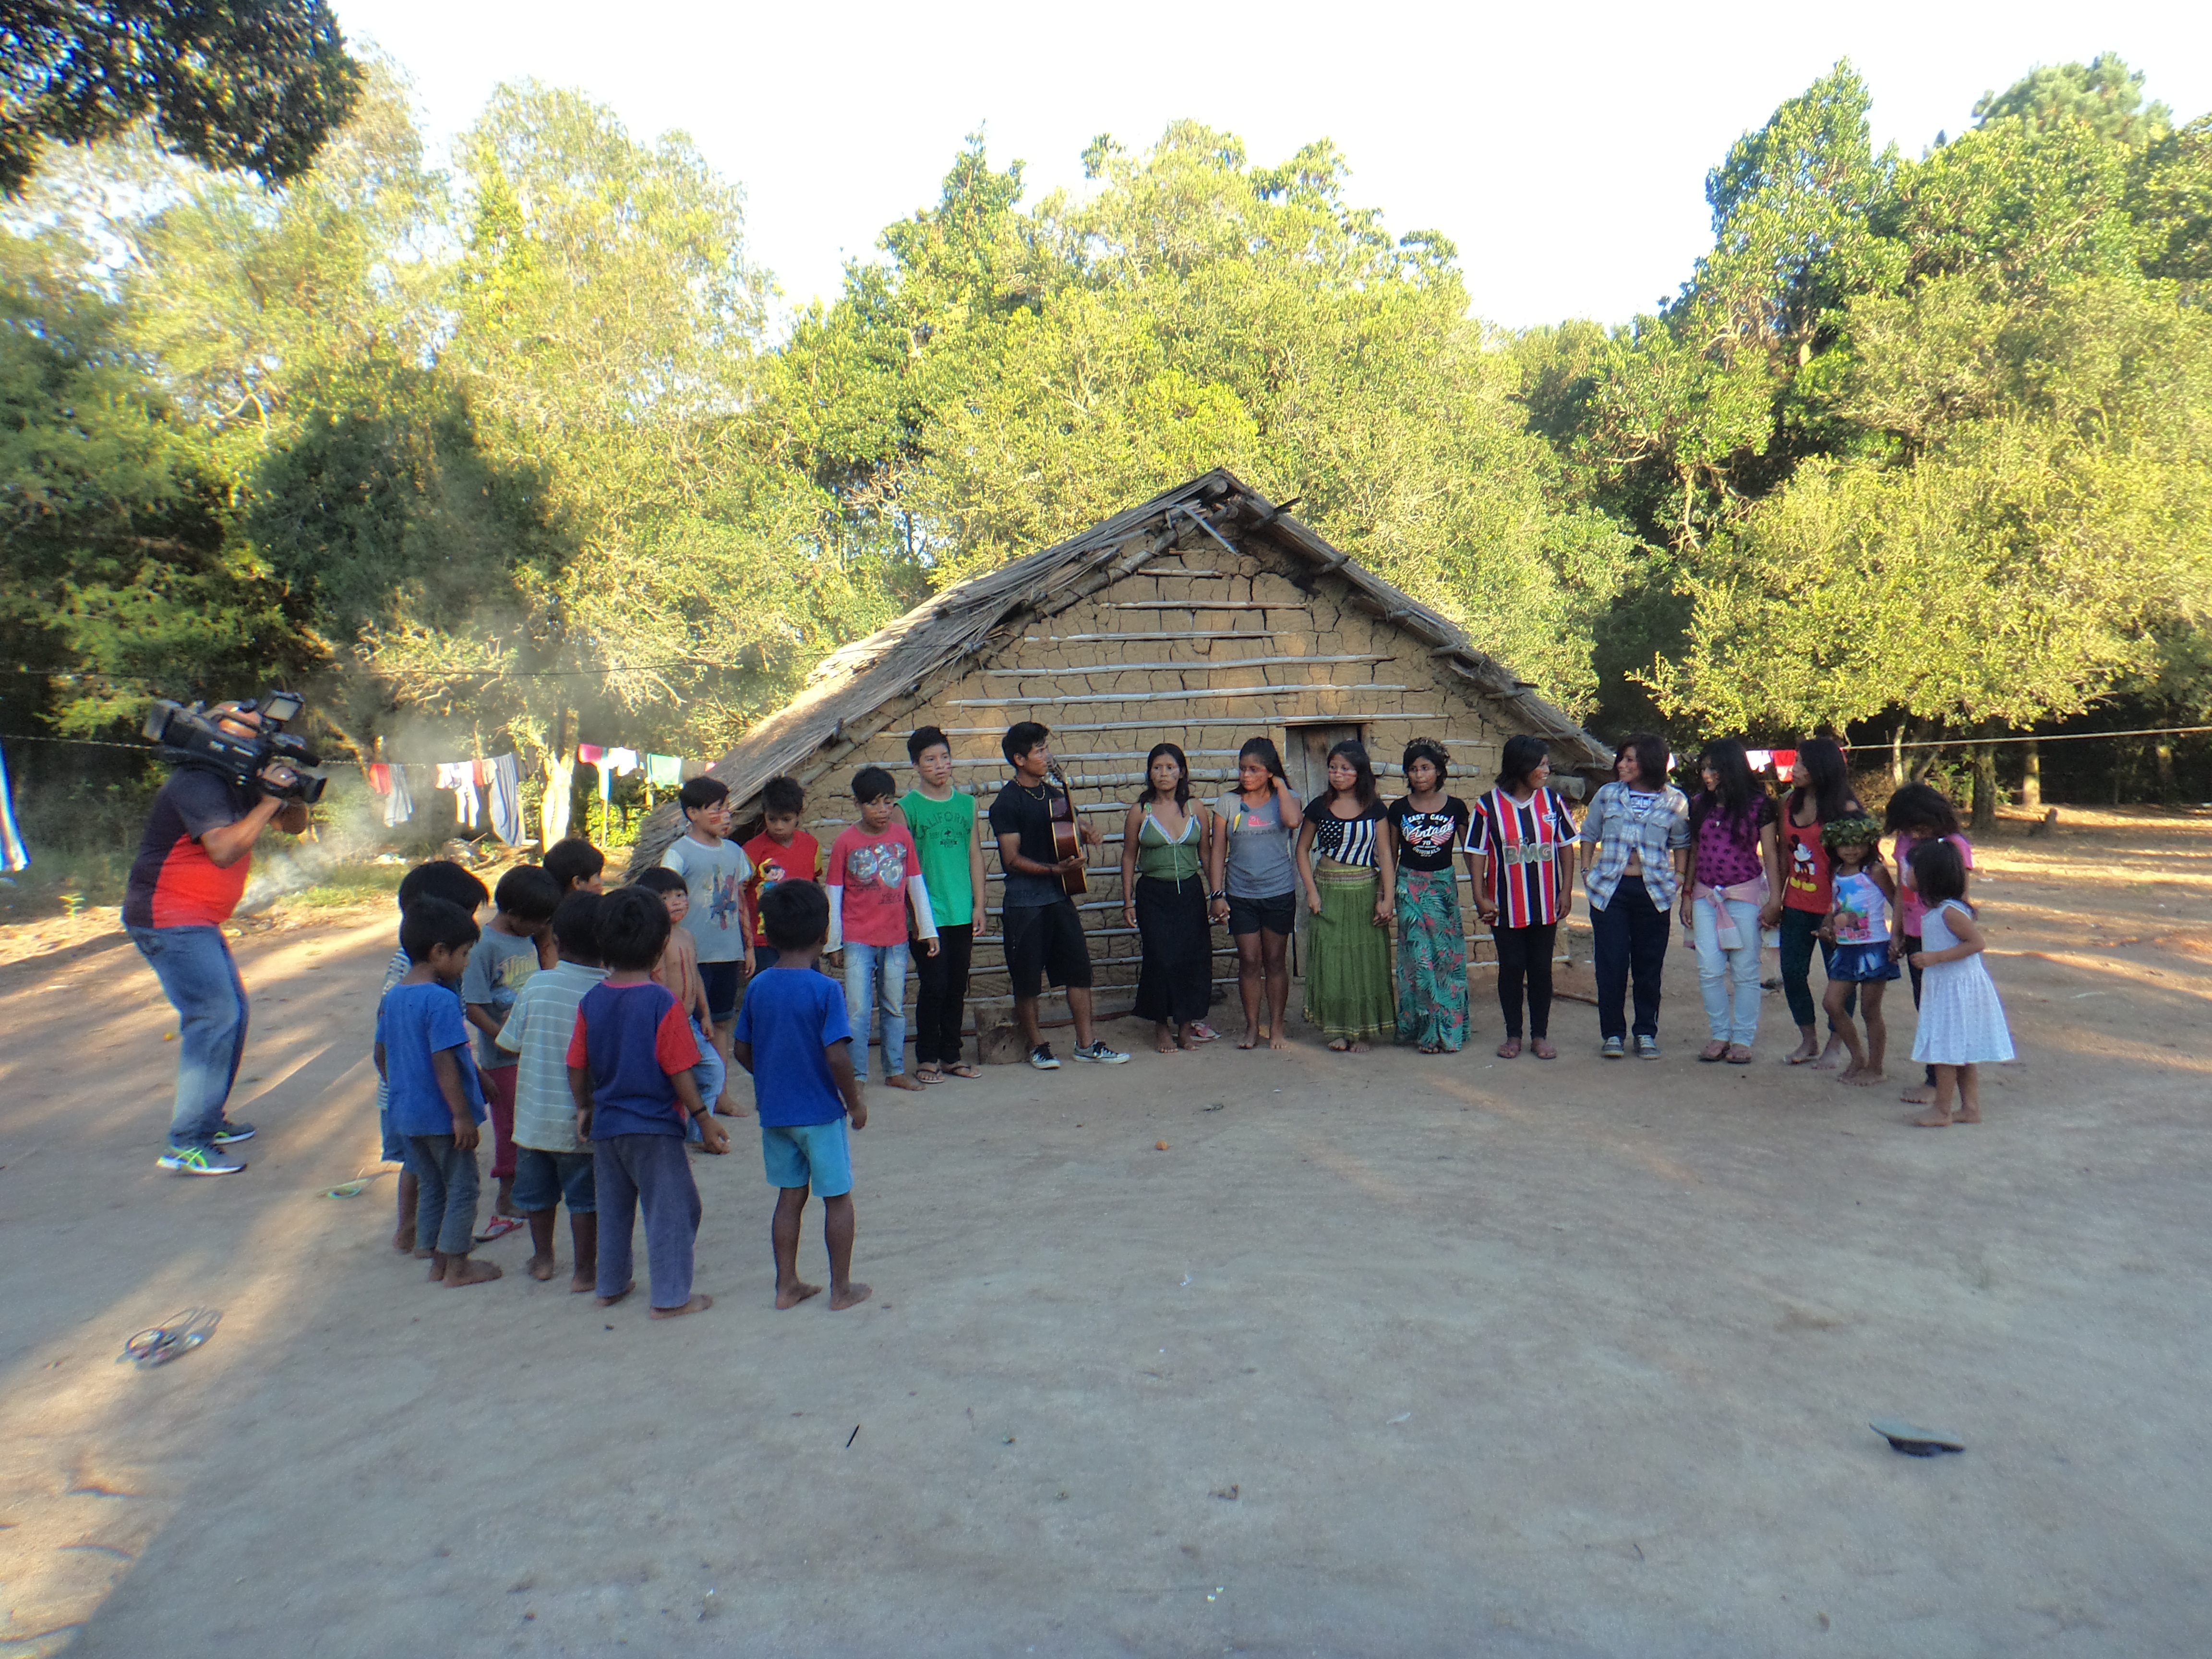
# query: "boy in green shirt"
{"type": "Point", "coordinates": [944, 828]}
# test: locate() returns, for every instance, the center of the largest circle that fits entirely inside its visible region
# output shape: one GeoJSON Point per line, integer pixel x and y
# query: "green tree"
{"type": "Point", "coordinates": [251, 84]}
{"type": "Point", "coordinates": [2105, 95]}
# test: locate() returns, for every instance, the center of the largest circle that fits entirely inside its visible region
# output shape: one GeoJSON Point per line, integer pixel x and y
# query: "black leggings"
{"type": "Point", "coordinates": [1524, 957]}
{"type": "Point", "coordinates": [941, 1000]}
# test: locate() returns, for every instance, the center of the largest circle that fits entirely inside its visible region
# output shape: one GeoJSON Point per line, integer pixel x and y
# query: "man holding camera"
{"type": "Point", "coordinates": [188, 878]}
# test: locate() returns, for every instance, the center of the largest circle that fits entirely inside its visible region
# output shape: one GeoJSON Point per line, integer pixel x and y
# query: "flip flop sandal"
{"type": "Point", "coordinates": [1201, 1032]}
{"type": "Point", "coordinates": [1510, 1049]}
{"type": "Point", "coordinates": [964, 1069]}
{"type": "Point", "coordinates": [1544, 1051]}
{"type": "Point", "coordinates": [1738, 1054]}
{"type": "Point", "coordinates": [1713, 1051]}
{"type": "Point", "coordinates": [498, 1227]}
{"type": "Point", "coordinates": [926, 1078]}
{"type": "Point", "coordinates": [184, 1331]}
{"type": "Point", "coordinates": [1913, 1440]}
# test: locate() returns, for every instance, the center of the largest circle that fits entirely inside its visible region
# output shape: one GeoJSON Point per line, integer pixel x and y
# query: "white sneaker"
{"type": "Point", "coordinates": [1041, 1057]}
{"type": "Point", "coordinates": [1099, 1053]}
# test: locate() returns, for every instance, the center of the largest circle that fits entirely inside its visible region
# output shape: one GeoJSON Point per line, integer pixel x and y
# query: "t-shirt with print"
{"type": "Point", "coordinates": [1523, 889]}
{"type": "Point", "coordinates": [1428, 840]}
{"type": "Point", "coordinates": [1260, 863]}
{"type": "Point", "coordinates": [873, 868]}
{"type": "Point", "coordinates": [499, 965]}
{"type": "Point", "coordinates": [1019, 812]}
{"type": "Point", "coordinates": [772, 862]}
{"type": "Point", "coordinates": [1910, 909]}
{"type": "Point", "coordinates": [791, 1016]}
{"type": "Point", "coordinates": [415, 1022]}
{"type": "Point", "coordinates": [1727, 843]}
{"type": "Point", "coordinates": [1862, 913]}
{"type": "Point", "coordinates": [536, 1034]}
{"type": "Point", "coordinates": [632, 1038]}
{"type": "Point", "coordinates": [1805, 883]}
{"type": "Point", "coordinates": [942, 832]}
{"type": "Point", "coordinates": [714, 877]}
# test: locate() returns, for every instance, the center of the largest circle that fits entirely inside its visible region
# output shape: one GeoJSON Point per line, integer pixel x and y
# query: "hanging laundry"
{"type": "Point", "coordinates": [460, 777]}
{"type": "Point", "coordinates": [560, 778]}
{"type": "Point", "coordinates": [504, 785]}
{"type": "Point", "coordinates": [1784, 759]}
{"type": "Point", "coordinates": [622, 762]}
{"type": "Point", "coordinates": [606, 771]}
{"type": "Point", "coordinates": [13, 858]}
{"type": "Point", "coordinates": [589, 752]}
{"type": "Point", "coordinates": [380, 778]}
{"type": "Point", "coordinates": [1758, 759]}
{"type": "Point", "coordinates": [664, 771]}
{"type": "Point", "coordinates": [399, 802]}
{"type": "Point", "coordinates": [482, 772]}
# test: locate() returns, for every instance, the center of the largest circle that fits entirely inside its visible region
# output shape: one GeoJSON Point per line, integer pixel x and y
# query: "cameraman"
{"type": "Point", "coordinates": [189, 875]}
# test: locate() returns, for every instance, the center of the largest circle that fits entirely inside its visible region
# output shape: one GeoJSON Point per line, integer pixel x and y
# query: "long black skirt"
{"type": "Point", "coordinates": [1175, 981]}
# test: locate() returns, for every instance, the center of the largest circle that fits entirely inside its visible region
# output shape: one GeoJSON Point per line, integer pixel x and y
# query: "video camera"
{"type": "Point", "coordinates": [193, 730]}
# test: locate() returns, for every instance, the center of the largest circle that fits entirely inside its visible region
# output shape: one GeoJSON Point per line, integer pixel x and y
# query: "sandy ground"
{"type": "Point", "coordinates": [1394, 1356]}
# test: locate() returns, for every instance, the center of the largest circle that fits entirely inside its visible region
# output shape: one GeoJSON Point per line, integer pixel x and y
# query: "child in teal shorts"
{"type": "Point", "coordinates": [792, 1034]}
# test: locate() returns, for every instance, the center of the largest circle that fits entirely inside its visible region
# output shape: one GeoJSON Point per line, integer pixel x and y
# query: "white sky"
{"type": "Point", "coordinates": [1563, 148]}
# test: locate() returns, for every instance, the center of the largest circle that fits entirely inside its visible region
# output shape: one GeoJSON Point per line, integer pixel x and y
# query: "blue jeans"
{"type": "Point", "coordinates": [707, 1077]}
{"type": "Point", "coordinates": [1721, 970]}
{"type": "Point", "coordinates": [1628, 938]}
{"type": "Point", "coordinates": [1801, 930]}
{"type": "Point", "coordinates": [875, 982]}
{"type": "Point", "coordinates": [199, 978]}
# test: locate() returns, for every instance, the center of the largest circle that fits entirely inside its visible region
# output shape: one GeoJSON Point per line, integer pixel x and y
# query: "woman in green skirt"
{"type": "Point", "coordinates": [1428, 827]}
{"type": "Point", "coordinates": [1348, 889]}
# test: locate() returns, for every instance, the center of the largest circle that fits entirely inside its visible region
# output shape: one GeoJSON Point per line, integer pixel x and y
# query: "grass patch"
{"type": "Point", "coordinates": [347, 885]}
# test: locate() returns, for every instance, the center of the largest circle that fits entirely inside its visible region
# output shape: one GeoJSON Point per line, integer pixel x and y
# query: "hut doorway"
{"type": "Point", "coordinates": [1305, 758]}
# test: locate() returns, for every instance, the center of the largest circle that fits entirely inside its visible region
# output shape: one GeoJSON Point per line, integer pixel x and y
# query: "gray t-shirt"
{"type": "Point", "coordinates": [715, 875]}
{"type": "Point", "coordinates": [1260, 846]}
{"type": "Point", "coordinates": [499, 965]}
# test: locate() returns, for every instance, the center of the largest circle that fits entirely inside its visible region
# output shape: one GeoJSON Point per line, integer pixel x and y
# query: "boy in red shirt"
{"type": "Point", "coordinates": [782, 852]}
{"type": "Point", "coordinates": [875, 876]}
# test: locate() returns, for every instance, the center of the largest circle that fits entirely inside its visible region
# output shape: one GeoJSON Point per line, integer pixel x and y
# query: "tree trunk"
{"type": "Point", "coordinates": [2163, 749]}
{"type": "Point", "coordinates": [1986, 787]}
{"type": "Point", "coordinates": [1897, 755]}
{"type": "Point", "coordinates": [2031, 776]}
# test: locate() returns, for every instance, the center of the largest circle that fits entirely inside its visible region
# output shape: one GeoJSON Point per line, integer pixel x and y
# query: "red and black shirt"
{"type": "Point", "coordinates": [173, 883]}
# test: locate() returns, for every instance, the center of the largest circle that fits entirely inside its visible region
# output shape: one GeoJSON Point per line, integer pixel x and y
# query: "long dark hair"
{"type": "Point", "coordinates": [1182, 776]}
{"type": "Point", "coordinates": [1429, 749]}
{"type": "Point", "coordinates": [1823, 759]}
{"type": "Point", "coordinates": [1920, 807]}
{"type": "Point", "coordinates": [1650, 752]}
{"type": "Point", "coordinates": [1738, 788]}
{"type": "Point", "coordinates": [1362, 769]}
{"type": "Point", "coordinates": [1939, 872]}
{"type": "Point", "coordinates": [1263, 750]}
{"type": "Point", "coordinates": [1524, 753]}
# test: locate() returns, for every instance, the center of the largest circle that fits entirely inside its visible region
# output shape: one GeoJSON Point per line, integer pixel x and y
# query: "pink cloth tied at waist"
{"type": "Point", "coordinates": [1742, 892]}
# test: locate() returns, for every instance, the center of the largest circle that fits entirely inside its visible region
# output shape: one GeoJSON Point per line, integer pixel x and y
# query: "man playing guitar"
{"type": "Point", "coordinates": [1044, 931]}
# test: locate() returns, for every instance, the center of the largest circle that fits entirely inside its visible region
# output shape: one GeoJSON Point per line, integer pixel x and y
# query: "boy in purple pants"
{"type": "Point", "coordinates": [630, 1070]}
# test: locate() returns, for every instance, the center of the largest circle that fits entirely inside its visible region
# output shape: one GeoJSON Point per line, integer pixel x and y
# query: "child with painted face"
{"type": "Point", "coordinates": [875, 879]}
{"type": "Point", "coordinates": [1858, 927]}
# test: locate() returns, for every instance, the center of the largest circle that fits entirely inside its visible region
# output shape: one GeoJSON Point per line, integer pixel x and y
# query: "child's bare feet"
{"type": "Point", "coordinates": [725, 1107]}
{"type": "Point", "coordinates": [1249, 1040]}
{"type": "Point", "coordinates": [901, 1080]}
{"type": "Point", "coordinates": [1932, 1120]}
{"type": "Point", "coordinates": [403, 1240]}
{"type": "Point", "coordinates": [459, 1270]}
{"type": "Point", "coordinates": [1865, 1079]}
{"type": "Point", "coordinates": [540, 1267]}
{"type": "Point", "coordinates": [1164, 1039]}
{"type": "Point", "coordinates": [698, 1303]}
{"type": "Point", "coordinates": [423, 1255]}
{"type": "Point", "coordinates": [586, 1281]}
{"type": "Point", "coordinates": [1279, 1040]}
{"type": "Point", "coordinates": [849, 1296]}
{"type": "Point", "coordinates": [1920, 1094]}
{"type": "Point", "coordinates": [437, 1265]}
{"type": "Point", "coordinates": [1967, 1115]}
{"type": "Point", "coordinates": [791, 1295]}
{"type": "Point", "coordinates": [610, 1301]}
{"type": "Point", "coordinates": [1803, 1054]}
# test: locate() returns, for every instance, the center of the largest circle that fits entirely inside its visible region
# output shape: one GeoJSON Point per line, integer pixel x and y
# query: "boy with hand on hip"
{"type": "Point", "coordinates": [436, 1102]}
{"type": "Point", "coordinates": [792, 1035]}
{"type": "Point", "coordinates": [714, 869]}
{"type": "Point", "coordinates": [505, 955]}
{"type": "Point", "coordinates": [630, 1073]}
{"type": "Point", "coordinates": [550, 1164]}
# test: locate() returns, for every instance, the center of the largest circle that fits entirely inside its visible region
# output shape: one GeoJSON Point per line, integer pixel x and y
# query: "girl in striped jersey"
{"type": "Point", "coordinates": [1521, 851]}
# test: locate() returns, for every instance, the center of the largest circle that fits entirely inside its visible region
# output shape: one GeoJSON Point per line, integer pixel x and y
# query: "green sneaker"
{"type": "Point", "coordinates": [197, 1161]}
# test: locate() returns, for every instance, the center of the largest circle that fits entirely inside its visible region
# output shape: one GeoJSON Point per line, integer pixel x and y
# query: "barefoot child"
{"type": "Point", "coordinates": [792, 1035]}
{"type": "Point", "coordinates": [423, 1054]}
{"type": "Point", "coordinates": [1918, 812]}
{"type": "Point", "coordinates": [499, 967]}
{"type": "Point", "coordinates": [438, 878]}
{"type": "Point", "coordinates": [875, 875]}
{"type": "Point", "coordinates": [678, 969]}
{"type": "Point", "coordinates": [629, 1074]}
{"type": "Point", "coordinates": [1858, 927]}
{"type": "Point", "coordinates": [550, 1164]}
{"type": "Point", "coordinates": [1962, 1023]}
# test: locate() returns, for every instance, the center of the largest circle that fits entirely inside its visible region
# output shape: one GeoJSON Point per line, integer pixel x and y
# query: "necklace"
{"type": "Point", "coordinates": [1040, 793]}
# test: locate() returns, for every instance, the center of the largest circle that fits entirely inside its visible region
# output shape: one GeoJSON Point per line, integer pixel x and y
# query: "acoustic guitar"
{"type": "Point", "coordinates": [1065, 842]}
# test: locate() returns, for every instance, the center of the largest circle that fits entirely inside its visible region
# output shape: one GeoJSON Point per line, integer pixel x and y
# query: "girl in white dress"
{"type": "Point", "coordinates": [1962, 1023]}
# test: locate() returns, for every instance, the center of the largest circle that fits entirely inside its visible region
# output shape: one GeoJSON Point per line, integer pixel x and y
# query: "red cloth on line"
{"type": "Point", "coordinates": [591, 753]}
{"type": "Point", "coordinates": [380, 778]}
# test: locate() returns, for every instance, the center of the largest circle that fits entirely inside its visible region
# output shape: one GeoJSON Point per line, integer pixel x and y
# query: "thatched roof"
{"type": "Point", "coordinates": [856, 691]}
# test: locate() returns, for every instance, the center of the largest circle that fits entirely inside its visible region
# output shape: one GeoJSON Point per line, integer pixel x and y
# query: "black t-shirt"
{"type": "Point", "coordinates": [1348, 841]}
{"type": "Point", "coordinates": [1428, 840]}
{"type": "Point", "coordinates": [173, 883]}
{"type": "Point", "coordinates": [1018, 812]}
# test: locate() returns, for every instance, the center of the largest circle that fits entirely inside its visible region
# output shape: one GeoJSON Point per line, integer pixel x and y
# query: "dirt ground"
{"type": "Point", "coordinates": [1396, 1355]}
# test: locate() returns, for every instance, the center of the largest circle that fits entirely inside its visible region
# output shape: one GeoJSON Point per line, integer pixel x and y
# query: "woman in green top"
{"type": "Point", "coordinates": [1163, 845]}
{"type": "Point", "coordinates": [943, 824]}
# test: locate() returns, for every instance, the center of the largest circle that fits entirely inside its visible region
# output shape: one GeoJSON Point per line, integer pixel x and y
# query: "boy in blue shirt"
{"type": "Point", "coordinates": [430, 1078]}
{"type": "Point", "coordinates": [792, 1034]}
{"type": "Point", "coordinates": [630, 1073]}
